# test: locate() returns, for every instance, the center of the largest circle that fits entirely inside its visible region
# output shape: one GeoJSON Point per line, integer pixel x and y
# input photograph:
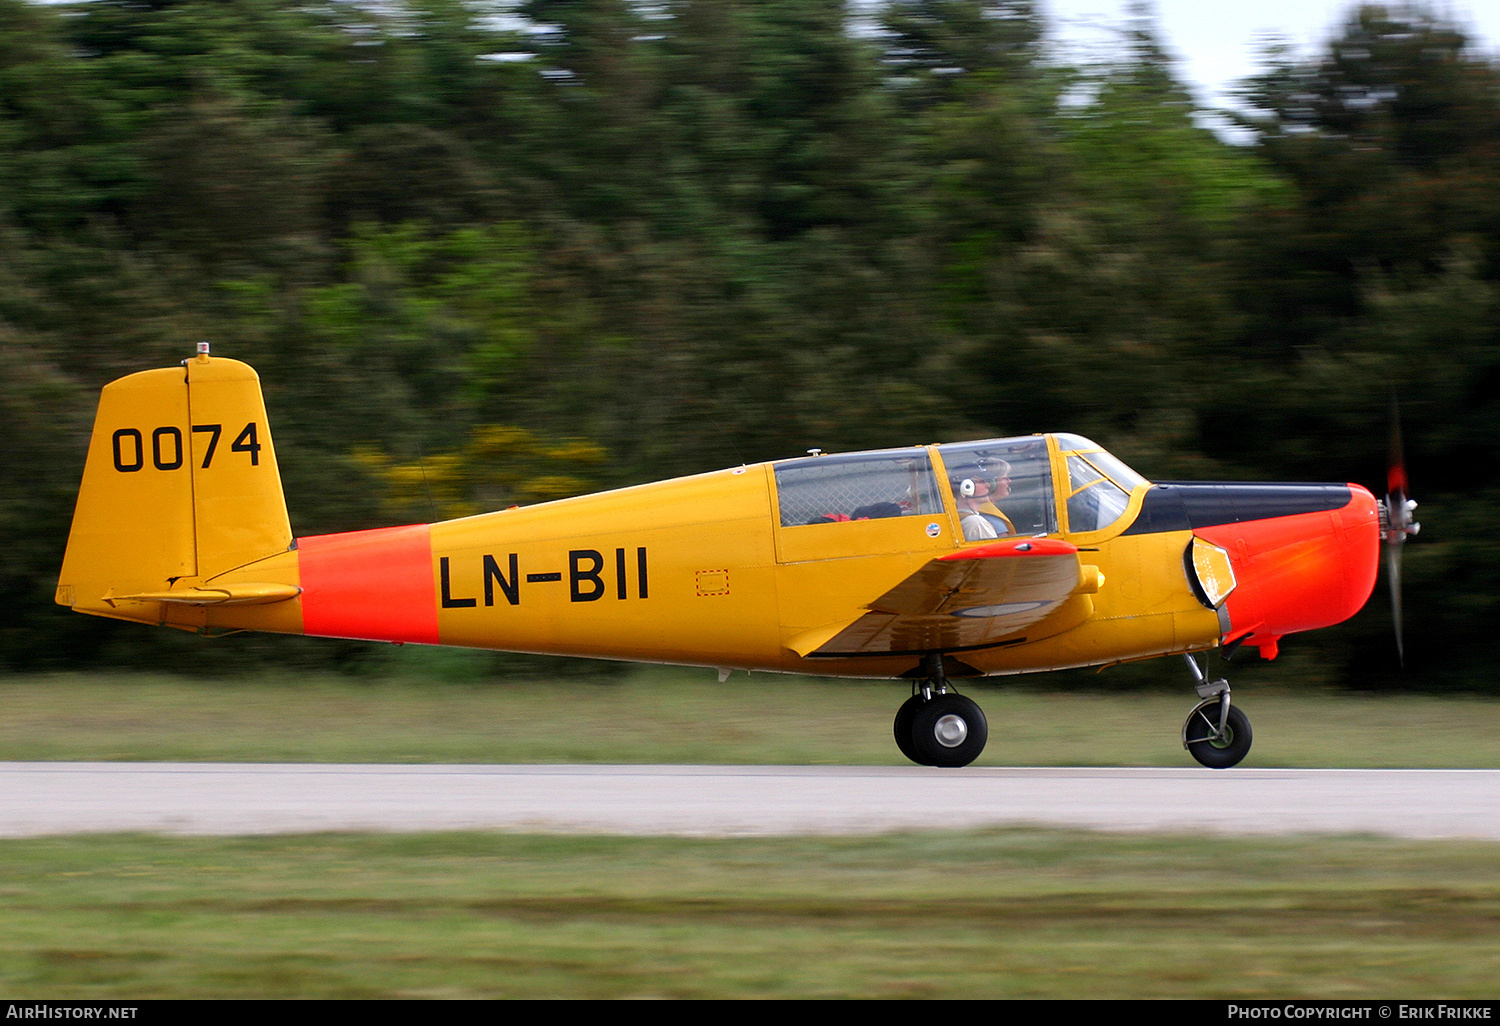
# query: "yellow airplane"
{"type": "Point", "coordinates": [926, 563]}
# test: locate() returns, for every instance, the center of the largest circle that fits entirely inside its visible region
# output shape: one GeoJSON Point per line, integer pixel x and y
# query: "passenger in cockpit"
{"type": "Point", "coordinates": [976, 488]}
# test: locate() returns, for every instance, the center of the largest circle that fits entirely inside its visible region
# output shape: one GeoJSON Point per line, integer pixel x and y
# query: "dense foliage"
{"type": "Point", "coordinates": [641, 239]}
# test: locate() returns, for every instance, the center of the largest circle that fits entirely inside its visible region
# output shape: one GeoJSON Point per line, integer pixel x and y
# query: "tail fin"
{"type": "Point", "coordinates": [180, 486]}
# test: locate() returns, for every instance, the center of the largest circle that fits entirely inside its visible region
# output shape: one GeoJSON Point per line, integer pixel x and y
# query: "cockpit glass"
{"type": "Point", "coordinates": [862, 486]}
{"type": "Point", "coordinates": [1117, 471]}
{"type": "Point", "coordinates": [1094, 501]}
{"type": "Point", "coordinates": [1071, 443]}
{"type": "Point", "coordinates": [1112, 467]}
{"type": "Point", "coordinates": [1081, 474]}
{"type": "Point", "coordinates": [1001, 487]}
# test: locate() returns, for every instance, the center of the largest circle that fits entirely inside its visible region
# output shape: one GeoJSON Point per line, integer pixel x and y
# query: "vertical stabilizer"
{"type": "Point", "coordinates": [180, 486]}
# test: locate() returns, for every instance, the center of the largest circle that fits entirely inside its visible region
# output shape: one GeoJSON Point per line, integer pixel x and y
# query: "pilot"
{"type": "Point", "coordinates": [975, 489]}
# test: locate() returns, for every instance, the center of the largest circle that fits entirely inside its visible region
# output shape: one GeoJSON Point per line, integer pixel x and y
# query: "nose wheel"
{"type": "Point", "coordinates": [1214, 744]}
{"type": "Point", "coordinates": [1216, 733]}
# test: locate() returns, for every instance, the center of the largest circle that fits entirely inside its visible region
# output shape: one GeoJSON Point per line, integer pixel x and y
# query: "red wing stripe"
{"type": "Point", "coordinates": [1015, 547]}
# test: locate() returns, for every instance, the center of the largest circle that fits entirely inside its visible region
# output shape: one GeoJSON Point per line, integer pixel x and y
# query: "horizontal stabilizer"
{"type": "Point", "coordinates": [224, 595]}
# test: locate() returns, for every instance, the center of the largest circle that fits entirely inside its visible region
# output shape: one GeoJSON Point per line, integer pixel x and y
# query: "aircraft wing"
{"type": "Point", "coordinates": [966, 599]}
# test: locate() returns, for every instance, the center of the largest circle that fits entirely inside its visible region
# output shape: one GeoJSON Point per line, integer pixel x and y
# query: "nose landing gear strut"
{"type": "Point", "coordinates": [1216, 733]}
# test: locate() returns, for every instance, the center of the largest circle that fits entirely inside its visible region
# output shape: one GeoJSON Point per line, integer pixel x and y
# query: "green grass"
{"type": "Point", "coordinates": [1002, 913]}
{"type": "Point", "coordinates": [685, 716]}
{"type": "Point", "coordinates": [1005, 913]}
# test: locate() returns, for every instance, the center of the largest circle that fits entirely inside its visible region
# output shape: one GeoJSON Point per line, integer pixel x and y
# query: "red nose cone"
{"type": "Point", "coordinates": [1299, 572]}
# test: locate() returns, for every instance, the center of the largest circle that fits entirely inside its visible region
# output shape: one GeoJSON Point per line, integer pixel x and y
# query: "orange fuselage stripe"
{"type": "Point", "coordinates": [376, 585]}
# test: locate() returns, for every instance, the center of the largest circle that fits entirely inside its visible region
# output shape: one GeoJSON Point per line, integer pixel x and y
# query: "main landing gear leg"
{"type": "Point", "coordinates": [937, 726]}
{"type": "Point", "coordinates": [1216, 733]}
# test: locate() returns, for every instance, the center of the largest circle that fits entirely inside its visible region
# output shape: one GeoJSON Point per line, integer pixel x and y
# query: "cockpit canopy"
{"type": "Point", "coordinates": [998, 487]}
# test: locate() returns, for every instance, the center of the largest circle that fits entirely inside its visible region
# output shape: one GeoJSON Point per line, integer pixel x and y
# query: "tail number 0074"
{"type": "Point", "coordinates": [167, 448]}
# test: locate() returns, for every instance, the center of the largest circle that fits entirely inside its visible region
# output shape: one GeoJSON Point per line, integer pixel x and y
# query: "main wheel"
{"type": "Point", "coordinates": [950, 730]}
{"type": "Point", "coordinates": [905, 716]}
{"type": "Point", "coordinates": [1198, 735]}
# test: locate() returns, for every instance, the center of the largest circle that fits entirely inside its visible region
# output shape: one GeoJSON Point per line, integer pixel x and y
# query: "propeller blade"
{"type": "Point", "coordinates": [1398, 523]}
{"type": "Point", "coordinates": [1395, 475]}
{"type": "Point", "coordinates": [1393, 577]}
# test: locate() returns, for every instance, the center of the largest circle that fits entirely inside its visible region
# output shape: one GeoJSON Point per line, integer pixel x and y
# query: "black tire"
{"type": "Point", "coordinates": [1217, 753]}
{"type": "Point", "coordinates": [905, 717]}
{"type": "Point", "coordinates": [949, 731]}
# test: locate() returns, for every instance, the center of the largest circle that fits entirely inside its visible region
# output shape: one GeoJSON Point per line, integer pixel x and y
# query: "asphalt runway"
{"type": "Point", "coordinates": [44, 798]}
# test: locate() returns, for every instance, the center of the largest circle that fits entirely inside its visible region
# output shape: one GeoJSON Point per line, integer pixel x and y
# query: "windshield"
{"type": "Point", "coordinates": [1099, 485]}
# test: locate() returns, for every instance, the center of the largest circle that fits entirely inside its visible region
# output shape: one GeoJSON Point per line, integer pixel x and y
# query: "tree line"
{"type": "Point", "coordinates": [528, 250]}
